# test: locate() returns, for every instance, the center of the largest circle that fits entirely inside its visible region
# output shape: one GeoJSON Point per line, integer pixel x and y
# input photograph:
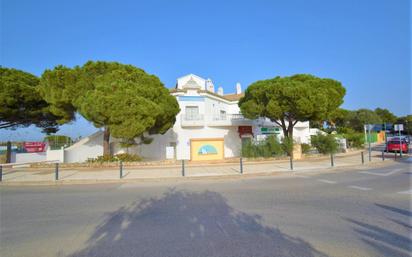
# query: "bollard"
{"type": "Point", "coordinates": [1, 173]}
{"type": "Point", "coordinates": [383, 155]}
{"type": "Point", "coordinates": [56, 171]}
{"type": "Point", "coordinates": [362, 158]}
{"type": "Point", "coordinates": [291, 163]}
{"type": "Point", "coordinates": [183, 168]}
{"type": "Point", "coordinates": [241, 165]}
{"type": "Point", "coordinates": [332, 161]}
{"type": "Point", "coordinates": [121, 169]}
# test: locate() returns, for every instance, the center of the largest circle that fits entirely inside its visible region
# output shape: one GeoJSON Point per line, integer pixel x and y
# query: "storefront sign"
{"type": "Point", "coordinates": [245, 130]}
{"type": "Point", "coordinates": [271, 130]}
{"type": "Point", "coordinates": [34, 147]}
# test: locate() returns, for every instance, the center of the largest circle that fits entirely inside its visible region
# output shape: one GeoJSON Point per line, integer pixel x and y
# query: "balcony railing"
{"type": "Point", "coordinates": [214, 120]}
{"type": "Point", "coordinates": [192, 120]}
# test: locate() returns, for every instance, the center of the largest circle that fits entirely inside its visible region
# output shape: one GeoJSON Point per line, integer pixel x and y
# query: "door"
{"type": "Point", "coordinates": [207, 149]}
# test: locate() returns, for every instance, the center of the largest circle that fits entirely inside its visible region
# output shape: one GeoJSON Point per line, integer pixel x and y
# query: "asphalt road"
{"type": "Point", "coordinates": [357, 212]}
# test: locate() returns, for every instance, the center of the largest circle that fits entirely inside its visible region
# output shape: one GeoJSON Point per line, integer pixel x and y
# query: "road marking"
{"type": "Point", "coordinates": [381, 174]}
{"type": "Point", "coordinates": [360, 188]}
{"type": "Point", "coordinates": [408, 192]}
{"type": "Point", "coordinates": [302, 176]}
{"type": "Point", "coordinates": [327, 181]}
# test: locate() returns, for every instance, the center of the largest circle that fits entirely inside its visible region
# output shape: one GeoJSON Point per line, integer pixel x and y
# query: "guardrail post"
{"type": "Point", "coordinates": [183, 168]}
{"type": "Point", "coordinates": [1, 173]}
{"type": "Point", "coordinates": [383, 155]}
{"type": "Point", "coordinates": [56, 171]}
{"type": "Point", "coordinates": [121, 169]}
{"type": "Point", "coordinates": [241, 165]}
{"type": "Point", "coordinates": [332, 161]}
{"type": "Point", "coordinates": [291, 163]}
{"type": "Point", "coordinates": [362, 158]}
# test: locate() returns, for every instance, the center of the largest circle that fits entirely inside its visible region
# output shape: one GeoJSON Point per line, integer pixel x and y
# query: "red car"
{"type": "Point", "coordinates": [395, 146]}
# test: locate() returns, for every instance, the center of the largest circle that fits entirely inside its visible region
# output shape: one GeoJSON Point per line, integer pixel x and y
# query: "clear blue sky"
{"type": "Point", "coordinates": [363, 44]}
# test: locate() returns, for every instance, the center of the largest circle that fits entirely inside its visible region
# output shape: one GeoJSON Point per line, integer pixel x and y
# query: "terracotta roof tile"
{"type": "Point", "coordinates": [233, 97]}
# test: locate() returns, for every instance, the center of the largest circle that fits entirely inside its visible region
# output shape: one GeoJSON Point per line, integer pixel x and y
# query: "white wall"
{"type": "Point", "coordinates": [230, 135]}
{"type": "Point", "coordinates": [55, 155]}
{"type": "Point", "coordinates": [29, 157]}
{"type": "Point", "coordinates": [183, 80]}
{"type": "Point", "coordinates": [89, 147]}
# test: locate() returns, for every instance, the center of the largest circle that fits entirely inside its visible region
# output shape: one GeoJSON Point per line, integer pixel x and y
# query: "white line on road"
{"type": "Point", "coordinates": [381, 174]}
{"type": "Point", "coordinates": [409, 192]}
{"type": "Point", "coordinates": [327, 181]}
{"type": "Point", "coordinates": [301, 176]}
{"type": "Point", "coordinates": [361, 188]}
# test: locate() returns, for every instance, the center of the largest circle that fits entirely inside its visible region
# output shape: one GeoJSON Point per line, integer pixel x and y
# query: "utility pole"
{"type": "Point", "coordinates": [369, 142]}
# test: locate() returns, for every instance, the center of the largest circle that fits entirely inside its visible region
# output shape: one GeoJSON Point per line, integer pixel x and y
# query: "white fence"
{"type": "Point", "coordinates": [28, 157]}
{"type": "Point", "coordinates": [55, 155]}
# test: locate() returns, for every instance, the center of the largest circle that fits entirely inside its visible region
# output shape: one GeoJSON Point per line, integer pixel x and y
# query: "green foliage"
{"type": "Point", "coordinates": [60, 88]}
{"type": "Point", "coordinates": [358, 118]}
{"type": "Point", "coordinates": [287, 100]}
{"type": "Point", "coordinates": [407, 123]}
{"type": "Point", "coordinates": [20, 103]}
{"type": "Point", "coordinates": [57, 141]}
{"type": "Point", "coordinates": [339, 118]}
{"type": "Point", "coordinates": [128, 101]}
{"type": "Point", "coordinates": [123, 99]}
{"type": "Point", "coordinates": [125, 157]}
{"type": "Point", "coordinates": [355, 140]}
{"type": "Point", "coordinates": [385, 115]}
{"type": "Point", "coordinates": [305, 148]}
{"type": "Point", "coordinates": [287, 145]}
{"type": "Point", "coordinates": [325, 144]}
{"type": "Point", "coordinates": [270, 147]}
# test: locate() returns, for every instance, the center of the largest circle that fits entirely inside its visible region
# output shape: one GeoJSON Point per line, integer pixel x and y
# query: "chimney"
{"type": "Point", "coordinates": [238, 88]}
{"type": "Point", "coordinates": [220, 91]}
{"type": "Point", "coordinates": [209, 86]}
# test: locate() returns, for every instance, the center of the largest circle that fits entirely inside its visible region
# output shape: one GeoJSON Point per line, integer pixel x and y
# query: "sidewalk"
{"type": "Point", "coordinates": [20, 175]}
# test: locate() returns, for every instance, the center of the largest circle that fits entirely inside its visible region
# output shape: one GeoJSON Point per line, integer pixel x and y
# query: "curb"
{"type": "Point", "coordinates": [190, 178]}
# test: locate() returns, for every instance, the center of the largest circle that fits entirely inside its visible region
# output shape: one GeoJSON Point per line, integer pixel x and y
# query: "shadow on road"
{"type": "Point", "coordinates": [189, 224]}
{"type": "Point", "coordinates": [406, 213]}
{"type": "Point", "coordinates": [384, 241]}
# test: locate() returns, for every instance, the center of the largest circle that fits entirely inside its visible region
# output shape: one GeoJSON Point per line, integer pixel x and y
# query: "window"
{"type": "Point", "coordinates": [222, 115]}
{"type": "Point", "coordinates": [192, 113]}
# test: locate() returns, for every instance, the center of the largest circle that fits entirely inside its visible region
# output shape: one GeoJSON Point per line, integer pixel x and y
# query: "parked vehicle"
{"type": "Point", "coordinates": [394, 145]}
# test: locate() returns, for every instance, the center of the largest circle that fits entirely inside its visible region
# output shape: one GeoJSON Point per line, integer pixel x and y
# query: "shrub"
{"type": "Point", "coordinates": [305, 148]}
{"type": "Point", "coordinates": [268, 148]}
{"type": "Point", "coordinates": [128, 157]}
{"type": "Point", "coordinates": [274, 146]}
{"type": "Point", "coordinates": [355, 140]}
{"type": "Point", "coordinates": [287, 145]}
{"type": "Point", "coordinates": [325, 144]}
{"type": "Point", "coordinates": [125, 157]}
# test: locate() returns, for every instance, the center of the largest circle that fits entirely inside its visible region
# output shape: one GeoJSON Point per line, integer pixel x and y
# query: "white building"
{"type": "Point", "coordinates": [210, 125]}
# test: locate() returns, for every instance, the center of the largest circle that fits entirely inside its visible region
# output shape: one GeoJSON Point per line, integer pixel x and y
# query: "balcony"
{"type": "Point", "coordinates": [228, 120]}
{"type": "Point", "coordinates": [191, 120]}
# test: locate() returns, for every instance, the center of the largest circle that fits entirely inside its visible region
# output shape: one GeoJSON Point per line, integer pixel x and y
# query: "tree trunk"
{"type": "Point", "coordinates": [290, 131]}
{"type": "Point", "coordinates": [8, 152]}
{"type": "Point", "coordinates": [106, 142]}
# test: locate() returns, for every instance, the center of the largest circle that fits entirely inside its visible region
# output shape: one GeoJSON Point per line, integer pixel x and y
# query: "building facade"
{"type": "Point", "coordinates": [210, 125]}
